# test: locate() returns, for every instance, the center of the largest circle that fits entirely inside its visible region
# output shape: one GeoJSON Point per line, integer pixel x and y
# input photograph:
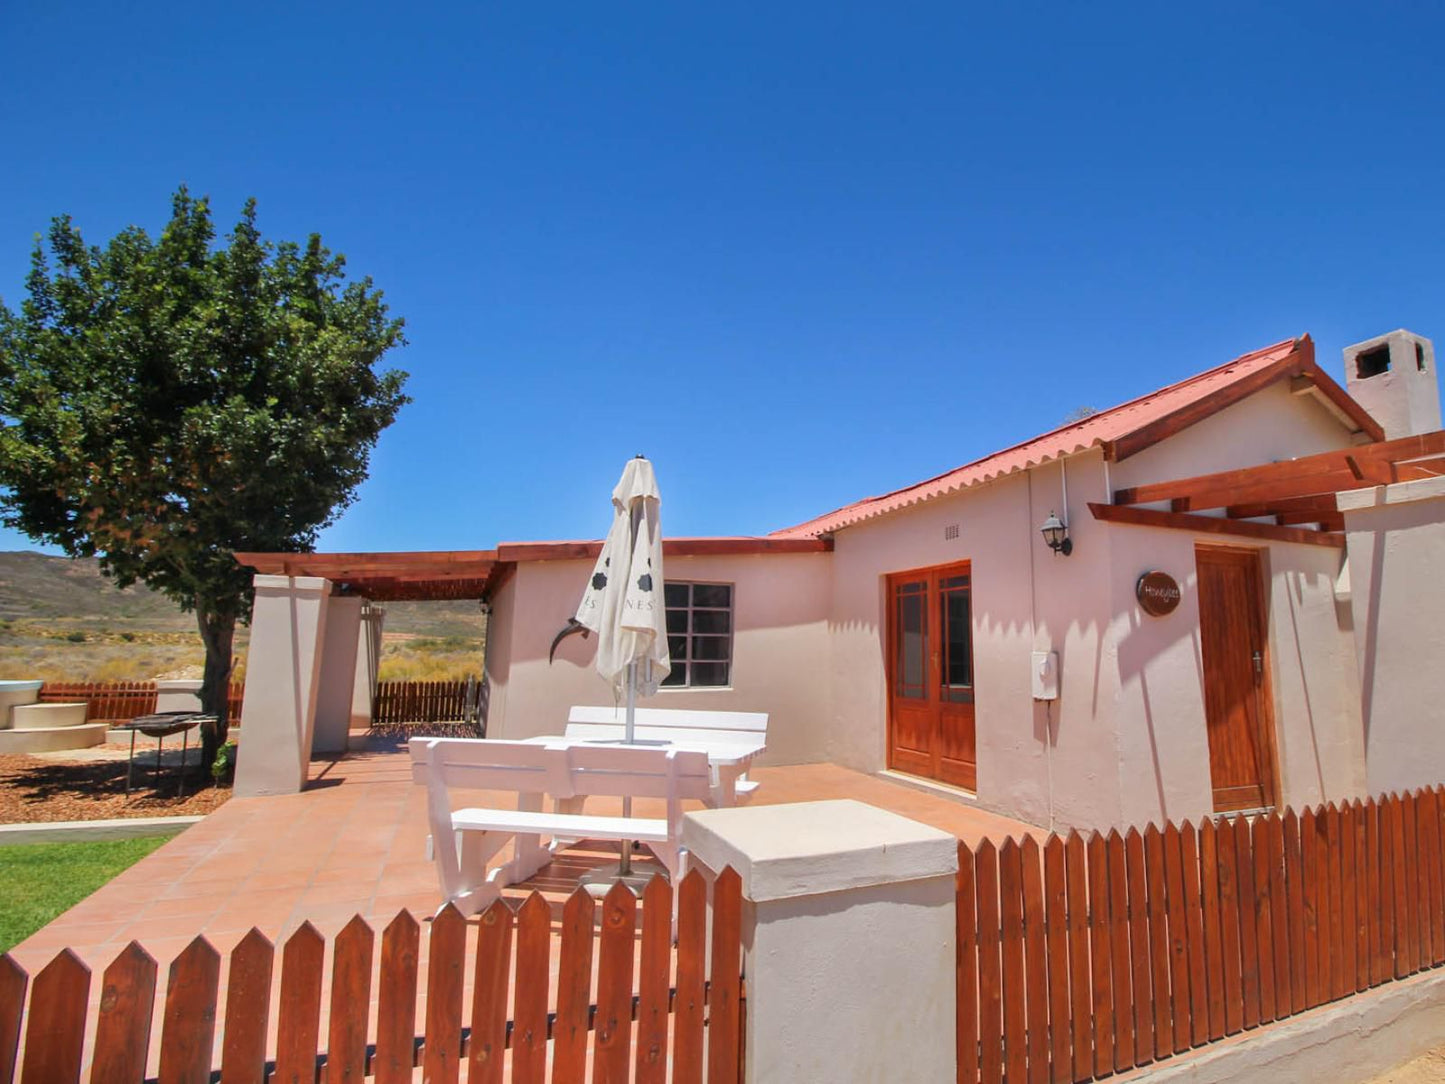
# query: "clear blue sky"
{"type": "Point", "coordinates": [796, 253]}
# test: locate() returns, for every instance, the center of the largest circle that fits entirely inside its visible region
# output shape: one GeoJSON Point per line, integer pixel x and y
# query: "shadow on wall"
{"type": "Point", "coordinates": [1294, 591]}
{"type": "Point", "coordinates": [1371, 632]}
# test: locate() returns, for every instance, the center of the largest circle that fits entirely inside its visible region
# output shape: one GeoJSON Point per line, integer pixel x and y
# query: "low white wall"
{"type": "Point", "coordinates": [1396, 539]}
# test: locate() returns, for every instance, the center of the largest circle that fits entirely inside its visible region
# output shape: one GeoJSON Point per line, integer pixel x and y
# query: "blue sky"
{"type": "Point", "coordinates": [847, 247]}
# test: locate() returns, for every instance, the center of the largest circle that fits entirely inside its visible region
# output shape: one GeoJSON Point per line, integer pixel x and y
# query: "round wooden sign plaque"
{"type": "Point", "coordinates": [1158, 593]}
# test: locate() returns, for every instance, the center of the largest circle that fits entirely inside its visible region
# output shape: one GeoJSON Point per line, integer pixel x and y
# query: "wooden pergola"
{"type": "Point", "coordinates": [443, 575]}
{"type": "Point", "coordinates": [448, 575]}
{"type": "Point", "coordinates": [1291, 501]}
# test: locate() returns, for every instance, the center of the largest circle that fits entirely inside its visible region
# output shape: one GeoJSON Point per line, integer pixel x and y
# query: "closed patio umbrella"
{"type": "Point", "coordinates": [622, 604]}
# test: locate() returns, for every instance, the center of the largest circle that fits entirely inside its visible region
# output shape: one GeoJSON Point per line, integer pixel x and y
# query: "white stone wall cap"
{"type": "Point", "coordinates": [1422, 489]}
{"type": "Point", "coordinates": [278, 584]}
{"type": "Point", "coordinates": [811, 848]}
{"type": "Point", "coordinates": [182, 684]}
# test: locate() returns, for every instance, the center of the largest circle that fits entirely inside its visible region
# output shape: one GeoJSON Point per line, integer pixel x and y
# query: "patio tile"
{"type": "Point", "coordinates": [337, 893]}
{"type": "Point", "coordinates": [293, 879]}
{"type": "Point", "coordinates": [360, 874]}
{"type": "Point", "coordinates": [185, 906]}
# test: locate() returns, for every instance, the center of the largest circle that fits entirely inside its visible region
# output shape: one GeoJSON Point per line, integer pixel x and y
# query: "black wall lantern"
{"type": "Point", "coordinates": [1056, 534]}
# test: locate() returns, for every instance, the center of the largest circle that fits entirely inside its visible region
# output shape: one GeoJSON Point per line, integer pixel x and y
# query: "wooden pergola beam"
{"type": "Point", "coordinates": [1183, 521]}
{"type": "Point", "coordinates": [1320, 503]}
{"type": "Point", "coordinates": [1325, 472]}
{"type": "Point", "coordinates": [389, 577]}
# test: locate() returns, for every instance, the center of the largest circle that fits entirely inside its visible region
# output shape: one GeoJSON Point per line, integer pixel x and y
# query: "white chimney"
{"type": "Point", "coordinates": [1393, 377]}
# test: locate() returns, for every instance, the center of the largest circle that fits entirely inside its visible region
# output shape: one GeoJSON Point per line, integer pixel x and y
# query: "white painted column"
{"type": "Point", "coordinates": [338, 674]}
{"type": "Point", "coordinates": [368, 666]}
{"type": "Point", "coordinates": [1394, 536]}
{"type": "Point", "coordinates": [848, 939]}
{"type": "Point", "coordinates": [283, 670]}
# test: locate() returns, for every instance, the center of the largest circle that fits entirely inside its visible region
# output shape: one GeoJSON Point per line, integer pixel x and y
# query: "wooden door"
{"type": "Point", "coordinates": [1234, 647]}
{"type": "Point", "coordinates": [930, 674]}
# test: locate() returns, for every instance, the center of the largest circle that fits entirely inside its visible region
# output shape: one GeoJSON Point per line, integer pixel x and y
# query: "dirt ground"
{"type": "Point", "coordinates": [1426, 1069]}
{"type": "Point", "coordinates": [89, 784]}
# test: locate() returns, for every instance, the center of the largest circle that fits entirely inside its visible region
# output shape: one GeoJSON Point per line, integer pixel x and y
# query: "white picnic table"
{"type": "Point", "coordinates": [481, 832]}
{"type": "Point", "coordinates": [727, 759]}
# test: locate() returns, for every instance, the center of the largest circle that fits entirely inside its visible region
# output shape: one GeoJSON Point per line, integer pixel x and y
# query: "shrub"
{"type": "Point", "coordinates": [76, 637]}
{"type": "Point", "coordinates": [224, 767]}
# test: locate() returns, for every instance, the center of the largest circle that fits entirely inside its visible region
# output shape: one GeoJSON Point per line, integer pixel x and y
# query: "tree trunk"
{"type": "Point", "coordinates": [218, 631]}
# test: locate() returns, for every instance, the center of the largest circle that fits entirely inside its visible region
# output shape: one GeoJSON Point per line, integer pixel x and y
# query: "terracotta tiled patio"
{"type": "Point", "coordinates": [354, 843]}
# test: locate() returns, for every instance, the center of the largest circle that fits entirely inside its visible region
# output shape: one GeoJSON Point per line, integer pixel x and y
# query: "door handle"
{"type": "Point", "coordinates": [1258, 664]}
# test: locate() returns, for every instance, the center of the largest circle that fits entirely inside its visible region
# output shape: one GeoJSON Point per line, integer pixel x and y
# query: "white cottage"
{"type": "Point", "coordinates": [1228, 612]}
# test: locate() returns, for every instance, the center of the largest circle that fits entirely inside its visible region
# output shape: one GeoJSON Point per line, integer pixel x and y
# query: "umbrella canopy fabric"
{"type": "Point", "coordinates": [623, 602]}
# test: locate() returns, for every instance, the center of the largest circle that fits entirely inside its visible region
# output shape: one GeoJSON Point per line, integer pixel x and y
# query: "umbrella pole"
{"type": "Point", "coordinates": [624, 868]}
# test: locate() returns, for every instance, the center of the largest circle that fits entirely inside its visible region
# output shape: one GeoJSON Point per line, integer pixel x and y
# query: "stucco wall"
{"type": "Point", "coordinates": [1024, 599]}
{"type": "Point", "coordinates": [1160, 711]}
{"type": "Point", "coordinates": [1161, 718]}
{"type": "Point", "coordinates": [1401, 675]}
{"type": "Point", "coordinates": [780, 649]}
{"type": "Point", "coordinates": [1126, 742]}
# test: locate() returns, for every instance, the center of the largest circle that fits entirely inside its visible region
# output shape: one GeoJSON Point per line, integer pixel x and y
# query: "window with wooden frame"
{"type": "Point", "coordinates": [699, 634]}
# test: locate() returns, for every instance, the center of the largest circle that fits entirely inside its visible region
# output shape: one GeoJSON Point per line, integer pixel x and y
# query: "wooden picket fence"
{"type": "Point", "coordinates": [423, 702]}
{"type": "Point", "coordinates": [626, 1031]}
{"type": "Point", "coordinates": [1083, 958]}
{"type": "Point", "coordinates": [122, 701]}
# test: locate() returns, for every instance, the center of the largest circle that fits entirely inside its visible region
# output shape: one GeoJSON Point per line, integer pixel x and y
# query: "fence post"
{"type": "Point", "coordinates": [848, 934]}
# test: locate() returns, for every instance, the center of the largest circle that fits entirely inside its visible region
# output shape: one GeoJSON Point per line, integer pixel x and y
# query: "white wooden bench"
{"type": "Point", "coordinates": [570, 774]}
{"type": "Point", "coordinates": [706, 728]}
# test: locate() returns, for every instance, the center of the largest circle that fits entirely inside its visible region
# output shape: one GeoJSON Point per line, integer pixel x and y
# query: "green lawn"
{"type": "Point", "coordinates": [40, 880]}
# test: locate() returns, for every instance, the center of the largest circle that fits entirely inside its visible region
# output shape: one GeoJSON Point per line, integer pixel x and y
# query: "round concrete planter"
{"type": "Point", "coordinates": [48, 716]}
{"type": "Point", "coordinates": [52, 739]}
{"type": "Point", "coordinates": [13, 693]}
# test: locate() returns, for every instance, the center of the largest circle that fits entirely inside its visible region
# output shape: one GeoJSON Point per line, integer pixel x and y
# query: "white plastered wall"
{"type": "Point", "coordinates": [1161, 718]}
{"type": "Point", "coordinates": [1126, 742]}
{"type": "Point", "coordinates": [1396, 537]}
{"type": "Point", "coordinates": [1024, 599]}
{"type": "Point", "coordinates": [780, 648]}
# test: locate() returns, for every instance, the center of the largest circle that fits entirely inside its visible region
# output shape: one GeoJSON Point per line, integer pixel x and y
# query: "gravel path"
{"type": "Point", "coordinates": [1426, 1069]}
{"type": "Point", "coordinates": [89, 784]}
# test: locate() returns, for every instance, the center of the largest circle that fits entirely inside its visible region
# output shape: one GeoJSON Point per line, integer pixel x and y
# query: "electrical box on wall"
{"type": "Point", "coordinates": [1046, 675]}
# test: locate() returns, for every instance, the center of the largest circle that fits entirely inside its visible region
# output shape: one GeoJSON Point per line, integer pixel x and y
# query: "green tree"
{"type": "Point", "coordinates": [166, 402]}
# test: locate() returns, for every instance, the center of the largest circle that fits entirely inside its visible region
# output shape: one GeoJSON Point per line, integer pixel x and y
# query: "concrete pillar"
{"type": "Point", "coordinates": [368, 665]}
{"type": "Point", "coordinates": [283, 670]}
{"type": "Point", "coordinates": [338, 674]}
{"type": "Point", "coordinates": [848, 939]}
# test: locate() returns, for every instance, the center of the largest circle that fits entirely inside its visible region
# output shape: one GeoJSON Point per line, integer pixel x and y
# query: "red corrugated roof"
{"type": "Point", "coordinates": [1103, 428]}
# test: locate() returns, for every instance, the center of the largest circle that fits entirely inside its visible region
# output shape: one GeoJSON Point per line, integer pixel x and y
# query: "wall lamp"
{"type": "Point", "coordinates": [1056, 534]}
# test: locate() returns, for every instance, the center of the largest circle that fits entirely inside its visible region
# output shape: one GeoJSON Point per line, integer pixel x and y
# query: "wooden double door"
{"type": "Point", "coordinates": [930, 674]}
{"type": "Point", "coordinates": [1234, 650]}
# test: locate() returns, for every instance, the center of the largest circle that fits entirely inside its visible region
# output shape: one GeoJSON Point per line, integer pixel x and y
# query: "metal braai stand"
{"type": "Point", "coordinates": [162, 725]}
